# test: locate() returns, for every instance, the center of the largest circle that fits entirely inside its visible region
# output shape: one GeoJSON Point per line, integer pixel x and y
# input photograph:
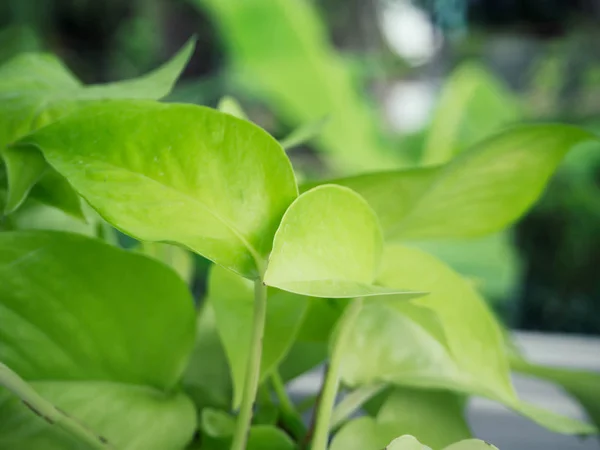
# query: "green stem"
{"type": "Point", "coordinates": [47, 411]}
{"type": "Point", "coordinates": [290, 416]}
{"type": "Point", "coordinates": [332, 379]}
{"type": "Point", "coordinates": [352, 402]}
{"type": "Point", "coordinates": [253, 369]}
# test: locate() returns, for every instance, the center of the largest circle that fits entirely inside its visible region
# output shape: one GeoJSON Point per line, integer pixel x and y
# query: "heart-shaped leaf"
{"type": "Point", "coordinates": [232, 298]}
{"type": "Point", "coordinates": [106, 348]}
{"type": "Point", "coordinates": [328, 245]}
{"type": "Point", "coordinates": [181, 173]}
{"type": "Point", "coordinates": [481, 191]}
{"type": "Point", "coordinates": [36, 89]}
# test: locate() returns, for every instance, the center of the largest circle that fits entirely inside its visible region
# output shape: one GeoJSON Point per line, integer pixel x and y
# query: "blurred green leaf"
{"type": "Point", "coordinates": [363, 433]}
{"type": "Point", "coordinates": [217, 423]}
{"type": "Point", "coordinates": [131, 161]}
{"type": "Point", "coordinates": [72, 328]}
{"type": "Point", "coordinates": [207, 377]}
{"type": "Point", "coordinates": [471, 444]}
{"type": "Point", "coordinates": [264, 437]}
{"type": "Point", "coordinates": [304, 133]}
{"type": "Point", "coordinates": [179, 259]}
{"type": "Point", "coordinates": [328, 245]}
{"type": "Point", "coordinates": [406, 442]}
{"type": "Point", "coordinates": [473, 105]}
{"type": "Point", "coordinates": [291, 65]}
{"type": "Point", "coordinates": [232, 298]}
{"type": "Point", "coordinates": [231, 106]}
{"type": "Point", "coordinates": [37, 89]}
{"type": "Point", "coordinates": [479, 192]}
{"type": "Point", "coordinates": [17, 39]}
{"type": "Point", "coordinates": [436, 418]}
{"type": "Point", "coordinates": [455, 343]}
{"type": "Point", "coordinates": [584, 386]}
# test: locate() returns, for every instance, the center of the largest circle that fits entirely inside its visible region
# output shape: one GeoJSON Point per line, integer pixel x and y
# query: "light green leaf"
{"type": "Point", "coordinates": [436, 418]}
{"type": "Point", "coordinates": [464, 325]}
{"type": "Point", "coordinates": [232, 298]}
{"type": "Point", "coordinates": [584, 386]}
{"type": "Point", "coordinates": [406, 442]}
{"type": "Point", "coordinates": [481, 191]}
{"type": "Point", "coordinates": [36, 90]}
{"type": "Point", "coordinates": [72, 326]}
{"type": "Point", "coordinates": [265, 437]}
{"type": "Point", "coordinates": [179, 259]}
{"type": "Point", "coordinates": [304, 133]}
{"type": "Point", "coordinates": [131, 161]}
{"type": "Point", "coordinates": [231, 106]}
{"type": "Point", "coordinates": [363, 433]}
{"type": "Point", "coordinates": [328, 245]}
{"type": "Point", "coordinates": [472, 444]}
{"type": "Point", "coordinates": [292, 66]}
{"type": "Point", "coordinates": [473, 105]}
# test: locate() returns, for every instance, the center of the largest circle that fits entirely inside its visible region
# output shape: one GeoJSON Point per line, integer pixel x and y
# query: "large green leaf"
{"type": "Point", "coordinates": [36, 89]}
{"type": "Point", "coordinates": [107, 349]}
{"type": "Point", "coordinates": [472, 106]}
{"type": "Point", "coordinates": [182, 173]}
{"type": "Point", "coordinates": [294, 50]}
{"type": "Point", "coordinates": [328, 245]}
{"type": "Point", "coordinates": [232, 298]}
{"type": "Point", "coordinates": [481, 191]}
{"type": "Point", "coordinates": [452, 340]}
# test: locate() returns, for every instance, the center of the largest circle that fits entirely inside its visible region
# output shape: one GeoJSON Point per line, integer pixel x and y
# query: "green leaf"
{"type": "Point", "coordinates": [479, 192]}
{"type": "Point", "coordinates": [406, 442]}
{"type": "Point", "coordinates": [36, 90]}
{"type": "Point", "coordinates": [232, 298]}
{"type": "Point", "coordinates": [471, 444]}
{"type": "Point", "coordinates": [216, 423]}
{"type": "Point", "coordinates": [179, 259]}
{"type": "Point", "coordinates": [264, 437]}
{"type": "Point", "coordinates": [207, 377]}
{"type": "Point", "coordinates": [304, 133]}
{"type": "Point", "coordinates": [328, 245]}
{"type": "Point", "coordinates": [473, 105]}
{"type": "Point", "coordinates": [292, 66]}
{"type": "Point", "coordinates": [231, 106]}
{"type": "Point", "coordinates": [584, 386]}
{"type": "Point", "coordinates": [107, 349]}
{"type": "Point", "coordinates": [363, 433]}
{"type": "Point", "coordinates": [131, 161]}
{"type": "Point", "coordinates": [475, 360]}
{"type": "Point", "coordinates": [436, 418]}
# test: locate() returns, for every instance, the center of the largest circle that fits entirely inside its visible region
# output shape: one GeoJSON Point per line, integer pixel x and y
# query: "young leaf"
{"type": "Point", "coordinates": [481, 191]}
{"type": "Point", "coordinates": [36, 90]}
{"type": "Point", "coordinates": [131, 161]}
{"type": "Point", "coordinates": [107, 349]}
{"type": "Point", "coordinates": [231, 106]}
{"type": "Point", "coordinates": [232, 298]}
{"type": "Point", "coordinates": [328, 245]}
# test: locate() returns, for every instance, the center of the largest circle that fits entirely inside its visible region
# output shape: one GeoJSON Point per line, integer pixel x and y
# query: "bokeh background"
{"type": "Point", "coordinates": [392, 83]}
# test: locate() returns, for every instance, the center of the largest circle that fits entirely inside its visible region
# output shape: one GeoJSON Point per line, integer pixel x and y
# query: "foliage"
{"type": "Point", "coordinates": [105, 345]}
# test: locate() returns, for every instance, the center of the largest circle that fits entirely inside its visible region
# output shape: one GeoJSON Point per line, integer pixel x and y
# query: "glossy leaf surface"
{"type": "Point", "coordinates": [328, 245]}
{"type": "Point", "coordinates": [180, 173]}
{"type": "Point", "coordinates": [36, 89]}
{"type": "Point", "coordinates": [232, 298]}
{"type": "Point", "coordinates": [102, 346]}
{"type": "Point", "coordinates": [481, 191]}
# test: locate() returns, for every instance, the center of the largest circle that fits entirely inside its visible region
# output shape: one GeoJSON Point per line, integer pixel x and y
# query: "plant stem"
{"type": "Point", "coordinates": [253, 369]}
{"type": "Point", "coordinates": [290, 416]}
{"type": "Point", "coordinates": [47, 411]}
{"type": "Point", "coordinates": [353, 401]}
{"type": "Point", "coordinates": [332, 379]}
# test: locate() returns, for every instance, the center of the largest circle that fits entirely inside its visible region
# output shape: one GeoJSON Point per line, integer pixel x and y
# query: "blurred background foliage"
{"type": "Point", "coordinates": [390, 83]}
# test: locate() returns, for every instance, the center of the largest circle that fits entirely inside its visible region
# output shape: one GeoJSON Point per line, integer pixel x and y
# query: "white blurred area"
{"type": "Point", "coordinates": [410, 33]}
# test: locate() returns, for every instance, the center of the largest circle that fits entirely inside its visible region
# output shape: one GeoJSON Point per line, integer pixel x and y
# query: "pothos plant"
{"type": "Point", "coordinates": [102, 347]}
